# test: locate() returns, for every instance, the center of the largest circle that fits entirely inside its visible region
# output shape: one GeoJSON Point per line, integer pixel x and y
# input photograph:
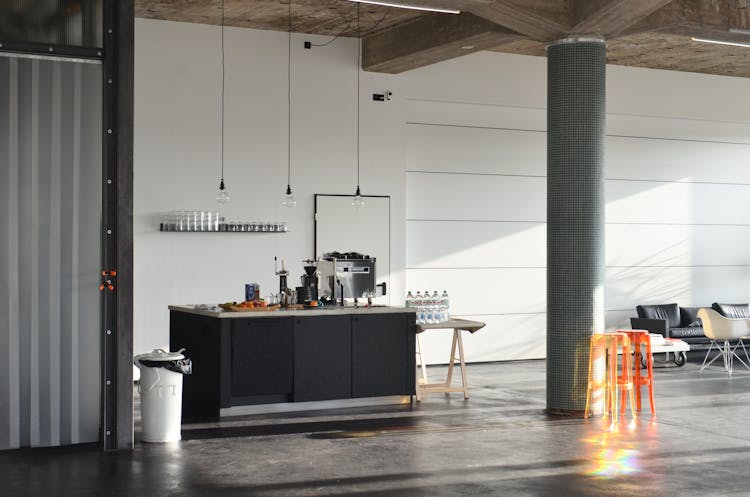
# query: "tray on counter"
{"type": "Point", "coordinates": [237, 308]}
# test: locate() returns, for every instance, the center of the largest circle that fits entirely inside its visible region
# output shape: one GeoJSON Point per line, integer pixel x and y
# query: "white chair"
{"type": "Point", "coordinates": [721, 330]}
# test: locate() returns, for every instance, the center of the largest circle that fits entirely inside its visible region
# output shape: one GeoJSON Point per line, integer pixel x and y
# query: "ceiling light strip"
{"type": "Point", "coordinates": [720, 42]}
{"type": "Point", "coordinates": [408, 6]}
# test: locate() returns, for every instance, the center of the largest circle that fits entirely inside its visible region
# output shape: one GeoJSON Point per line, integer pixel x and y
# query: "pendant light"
{"type": "Point", "coordinates": [222, 196]}
{"type": "Point", "coordinates": [357, 201]}
{"type": "Point", "coordinates": [289, 200]}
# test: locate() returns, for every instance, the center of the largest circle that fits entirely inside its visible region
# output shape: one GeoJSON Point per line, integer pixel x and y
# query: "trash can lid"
{"type": "Point", "coordinates": [159, 355]}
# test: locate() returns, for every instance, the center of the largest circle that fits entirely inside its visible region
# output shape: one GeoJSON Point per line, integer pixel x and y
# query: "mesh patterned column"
{"type": "Point", "coordinates": [575, 216]}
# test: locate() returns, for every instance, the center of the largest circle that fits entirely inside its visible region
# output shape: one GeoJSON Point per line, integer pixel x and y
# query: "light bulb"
{"type": "Point", "coordinates": [222, 196]}
{"type": "Point", "coordinates": [289, 200]}
{"type": "Point", "coordinates": [358, 202]}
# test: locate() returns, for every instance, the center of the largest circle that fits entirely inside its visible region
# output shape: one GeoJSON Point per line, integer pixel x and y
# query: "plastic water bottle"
{"type": "Point", "coordinates": [445, 303]}
{"type": "Point", "coordinates": [436, 308]}
{"type": "Point", "coordinates": [419, 304]}
{"type": "Point", "coordinates": [429, 308]}
{"type": "Point", "coordinates": [409, 300]}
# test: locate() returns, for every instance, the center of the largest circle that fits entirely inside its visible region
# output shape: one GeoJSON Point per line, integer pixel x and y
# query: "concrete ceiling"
{"type": "Point", "coordinates": [642, 33]}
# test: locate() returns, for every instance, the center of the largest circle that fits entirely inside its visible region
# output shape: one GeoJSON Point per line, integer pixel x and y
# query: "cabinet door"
{"type": "Point", "coordinates": [382, 355]}
{"type": "Point", "coordinates": [322, 358]}
{"type": "Point", "coordinates": [200, 336]}
{"type": "Point", "coordinates": [262, 356]}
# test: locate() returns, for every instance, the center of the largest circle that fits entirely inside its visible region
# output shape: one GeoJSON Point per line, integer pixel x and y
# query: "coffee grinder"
{"type": "Point", "coordinates": [309, 289]}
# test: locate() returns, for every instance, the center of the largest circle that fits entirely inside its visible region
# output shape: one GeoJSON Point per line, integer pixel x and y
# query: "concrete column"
{"type": "Point", "coordinates": [575, 216]}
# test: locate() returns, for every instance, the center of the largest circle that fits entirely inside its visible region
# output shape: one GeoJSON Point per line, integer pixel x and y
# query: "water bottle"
{"type": "Point", "coordinates": [446, 305]}
{"type": "Point", "coordinates": [429, 314]}
{"type": "Point", "coordinates": [409, 300]}
{"type": "Point", "coordinates": [419, 304]}
{"type": "Point", "coordinates": [436, 307]}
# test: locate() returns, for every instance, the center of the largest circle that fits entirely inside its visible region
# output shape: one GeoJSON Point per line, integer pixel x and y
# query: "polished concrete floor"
{"type": "Point", "coordinates": [498, 443]}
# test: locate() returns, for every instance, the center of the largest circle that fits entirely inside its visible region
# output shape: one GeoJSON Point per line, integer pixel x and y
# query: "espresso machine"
{"type": "Point", "coordinates": [348, 275]}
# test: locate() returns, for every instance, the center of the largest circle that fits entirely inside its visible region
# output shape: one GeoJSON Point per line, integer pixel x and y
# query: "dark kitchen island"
{"type": "Point", "coordinates": [272, 357]}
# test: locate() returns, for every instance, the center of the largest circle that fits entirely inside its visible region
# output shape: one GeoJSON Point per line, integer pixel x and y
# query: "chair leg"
{"type": "Point", "coordinates": [728, 363]}
{"type": "Point", "coordinates": [650, 372]}
{"type": "Point", "coordinates": [708, 352]}
{"type": "Point", "coordinates": [613, 380]}
{"type": "Point", "coordinates": [590, 383]}
{"type": "Point", "coordinates": [742, 344]}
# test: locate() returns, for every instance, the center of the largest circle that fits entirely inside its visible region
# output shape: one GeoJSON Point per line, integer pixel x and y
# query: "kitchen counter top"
{"type": "Point", "coordinates": [325, 311]}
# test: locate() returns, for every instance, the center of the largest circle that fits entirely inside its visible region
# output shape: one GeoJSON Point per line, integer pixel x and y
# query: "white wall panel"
{"type": "Point", "coordinates": [634, 90]}
{"type": "Point", "coordinates": [677, 245]}
{"type": "Point", "coordinates": [177, 151]}
{"type": "Point", "coordinates": [486, 291]}
{"type": "Point", "coordinates": [618, 319]}
{"type": "Point", "coordinates": [676, 160]}
{"type": "Point", "coordinates": [475, 197]}
{"type": "Point", "coordinates": [505, 338]}
{"type": "Point", "coordinates": [655, 126]}
{"type": "Point", "coordinates": [690, 286]}
{"type": "Point", "coordinates": [484, 78]}
{"type": "Point", "coordinates": [478, 115]}
{"type": "Point", "coordinates": [457, 244]}
{"type": "Point", "coordinates": [677, 231]}
{"type": "Point", "coordinates": [476, 150]}
{"type": "Point", "coordinates": [683, 203]}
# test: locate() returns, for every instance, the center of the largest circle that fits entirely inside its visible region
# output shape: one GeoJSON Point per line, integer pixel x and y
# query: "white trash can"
{"type": "Point", "coordinates": [161, 396]}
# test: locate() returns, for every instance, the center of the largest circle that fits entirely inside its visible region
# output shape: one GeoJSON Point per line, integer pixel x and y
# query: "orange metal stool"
{"type": "Point", "coordinates": [638, 338]}
{"type": "Point", "coordinates": [613, 384]}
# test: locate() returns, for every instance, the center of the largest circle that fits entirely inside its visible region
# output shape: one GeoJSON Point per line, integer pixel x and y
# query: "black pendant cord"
{"type": "Point", "coordinates": [289, 106]}
{"type": "Point", "coordinates": [221, 185]}
{"type": "Point", "coordinates": [359, 63]}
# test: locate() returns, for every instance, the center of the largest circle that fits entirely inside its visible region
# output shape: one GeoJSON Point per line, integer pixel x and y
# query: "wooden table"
{"type": "Point", "coordinates": [457, 325]}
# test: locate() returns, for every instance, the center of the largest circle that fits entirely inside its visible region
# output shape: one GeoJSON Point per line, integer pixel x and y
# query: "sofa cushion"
{"type": "Point", "coordinates": [689, 316]}
{"type": "Point", "coordinates": [670, 312]}
{"type": "Point", "coordinates": [687, 332]}
{"type": "Point", "coordinates": [733, 311]}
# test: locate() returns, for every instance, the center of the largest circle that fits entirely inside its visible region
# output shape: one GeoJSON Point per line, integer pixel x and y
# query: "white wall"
{"type": "Point", "coordinates": [177, 146]}
{"type": "Point", "coordinates": [468, 215]}
{"type": "Point", "coordinates": [677, 153]}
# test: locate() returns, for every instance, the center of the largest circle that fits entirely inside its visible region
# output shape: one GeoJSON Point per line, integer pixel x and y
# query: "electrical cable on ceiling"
{"type": "Point", "coordinates": [348, 28]}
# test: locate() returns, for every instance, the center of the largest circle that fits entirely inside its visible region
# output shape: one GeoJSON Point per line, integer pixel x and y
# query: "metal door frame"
{"type": "Point", "coordinates": [117, 57]}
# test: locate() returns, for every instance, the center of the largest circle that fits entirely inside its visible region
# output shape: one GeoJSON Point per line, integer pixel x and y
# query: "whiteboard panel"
{"type": "Point", "coordinates": [480, 198]}
{"type": "Point", "coordinates": [343, 228]}
{"type": "Point", "coordinates": [476, 150]}
{"type": "Point", "coordinates": [505, 338]}
{"type": "Point", "coordinates": [456, 244]}
{"type": "Point", "coordinates": [485, 291]}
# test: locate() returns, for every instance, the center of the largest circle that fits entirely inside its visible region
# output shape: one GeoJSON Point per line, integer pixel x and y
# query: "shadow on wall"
{"type": "Point", "coordinates": [661, 246]}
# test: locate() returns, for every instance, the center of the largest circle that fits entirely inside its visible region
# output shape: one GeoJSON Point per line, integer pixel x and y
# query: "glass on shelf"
{"type": "Point", "coordinates": [211, 221]}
